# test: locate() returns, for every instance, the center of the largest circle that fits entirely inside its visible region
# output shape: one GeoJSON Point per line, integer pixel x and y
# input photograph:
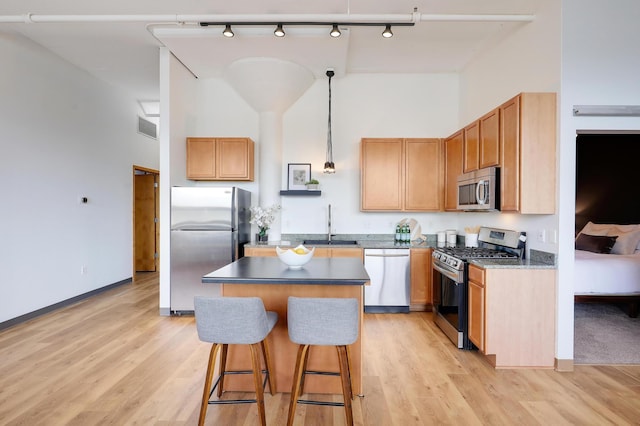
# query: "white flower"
{"type": "Point", "coordinates": [263, 217]}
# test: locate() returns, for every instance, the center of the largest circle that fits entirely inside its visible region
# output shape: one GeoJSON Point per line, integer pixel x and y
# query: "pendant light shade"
{"type": "Point", "coordinates": [329, 167]}
{"type": "Point", "coordinates": [387, 32]}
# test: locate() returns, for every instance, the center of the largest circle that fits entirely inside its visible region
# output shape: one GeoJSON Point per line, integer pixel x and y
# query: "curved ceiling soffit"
{"type": "Point", "coordinates": [268, 84]}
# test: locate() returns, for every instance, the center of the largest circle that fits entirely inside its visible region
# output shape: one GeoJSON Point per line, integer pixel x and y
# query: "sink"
{"type": "Point", "coordinates": [330, 243]}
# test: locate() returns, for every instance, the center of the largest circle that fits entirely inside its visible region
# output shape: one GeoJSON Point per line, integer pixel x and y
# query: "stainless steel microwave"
{"type": "Point", "coordinates": [479, 190]}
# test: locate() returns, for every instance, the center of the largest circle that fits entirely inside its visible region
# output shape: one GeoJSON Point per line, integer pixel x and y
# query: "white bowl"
{"type": "Point", "coordinates": [294, 260]}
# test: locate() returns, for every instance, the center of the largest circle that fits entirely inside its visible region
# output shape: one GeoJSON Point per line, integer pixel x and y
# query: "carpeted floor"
{"type": "Point", "coordinates": [604, 334]}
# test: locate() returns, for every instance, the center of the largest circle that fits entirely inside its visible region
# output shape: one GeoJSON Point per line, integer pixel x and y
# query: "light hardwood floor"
{"type": "Point", "coordinates": [112, 359]}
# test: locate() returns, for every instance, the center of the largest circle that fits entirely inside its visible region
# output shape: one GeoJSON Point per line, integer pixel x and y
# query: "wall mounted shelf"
{"type": "Point", "coordinates": [301, 193]}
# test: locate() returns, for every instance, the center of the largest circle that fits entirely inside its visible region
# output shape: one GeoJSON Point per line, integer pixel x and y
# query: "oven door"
{"type": "Point", "coordinates": [449, 305]}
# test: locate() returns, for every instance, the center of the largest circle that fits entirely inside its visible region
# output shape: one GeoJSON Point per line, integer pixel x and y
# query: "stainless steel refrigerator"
{"type": "Point", "coordinates": [209, 227]}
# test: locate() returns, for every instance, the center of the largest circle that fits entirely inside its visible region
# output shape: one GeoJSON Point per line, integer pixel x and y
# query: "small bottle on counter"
{"type": "Point", "coordinates": [406, 234]}
{"type": "Point", "coordinates": [398, 235]}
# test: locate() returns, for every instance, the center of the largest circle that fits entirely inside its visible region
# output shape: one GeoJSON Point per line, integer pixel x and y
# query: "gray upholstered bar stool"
{"type": "Point", "coordinates": [322, 321]}
{"type": "Point", "coordinates": [227, 321]}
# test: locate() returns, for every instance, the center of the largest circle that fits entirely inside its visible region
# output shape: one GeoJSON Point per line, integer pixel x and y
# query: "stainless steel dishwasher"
{"type": "Point", "coordinates": [389, 290]}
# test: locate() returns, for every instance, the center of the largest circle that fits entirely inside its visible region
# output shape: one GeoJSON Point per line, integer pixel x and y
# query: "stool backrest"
{"type": "Point", "coordinates": [323, 321]}
{"type": "Point", "coordinates": [231, 320]}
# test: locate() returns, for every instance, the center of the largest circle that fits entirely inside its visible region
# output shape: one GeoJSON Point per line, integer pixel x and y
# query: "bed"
{"type": "Point", "coordinates": [607, 265]}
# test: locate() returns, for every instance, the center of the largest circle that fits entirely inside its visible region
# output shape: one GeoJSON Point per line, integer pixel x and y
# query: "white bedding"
{"type": "Point", "coordinates": [606, 274]}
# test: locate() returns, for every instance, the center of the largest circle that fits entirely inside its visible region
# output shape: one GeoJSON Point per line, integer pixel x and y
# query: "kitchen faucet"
{"type": "Point", "coordinates": [329, 228]}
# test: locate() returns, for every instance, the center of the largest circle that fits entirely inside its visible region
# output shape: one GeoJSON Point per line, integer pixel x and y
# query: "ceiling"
{"type": "Point", "coordinates": [123, 50]}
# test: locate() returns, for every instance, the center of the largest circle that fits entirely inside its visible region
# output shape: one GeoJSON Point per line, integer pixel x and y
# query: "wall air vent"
{"type": "Point", "coordinates": [147, 128]}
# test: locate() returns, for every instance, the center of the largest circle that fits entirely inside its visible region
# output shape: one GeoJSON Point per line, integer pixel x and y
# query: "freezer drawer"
{"type": "Point", "coordinates": [389, 290]}
{"type": "Point", "coordinates": [194, 254]}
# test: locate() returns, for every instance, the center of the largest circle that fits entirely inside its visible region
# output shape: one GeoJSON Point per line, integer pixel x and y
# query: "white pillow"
{"type": "Point", "coordinates": [628, 235]}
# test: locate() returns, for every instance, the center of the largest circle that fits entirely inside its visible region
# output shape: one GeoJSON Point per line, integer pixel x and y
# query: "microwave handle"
{"type": "Point", "coordinates": [480, 185]}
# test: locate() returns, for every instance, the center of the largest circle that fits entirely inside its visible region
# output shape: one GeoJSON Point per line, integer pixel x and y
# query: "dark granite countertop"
{"type": "Point", "coordinates": [511, 264]}
{"type": "Point", "coordinates": [271, 270]}
{"type": "Point", "coordinates": [367, 244]}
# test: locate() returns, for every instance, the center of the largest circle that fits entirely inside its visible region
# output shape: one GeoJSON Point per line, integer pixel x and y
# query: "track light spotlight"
{"type": "Point", "coordinates": [387, 32]}
{"type": "Point", "coordinates": [227, 31]}
{"type": "Point", "coordinates": [279, 32]}
{"type": "Point", "coordinates": [335, 31]}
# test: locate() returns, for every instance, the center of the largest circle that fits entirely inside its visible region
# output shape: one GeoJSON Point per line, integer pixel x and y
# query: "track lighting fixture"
{"type": "Point", "coordinates": [279, 32]}
{"type": "Point", "coordinates": [227, 31]}
{"type": "Point", "coordinates": [335, 27]}
{"type": "Point", "coordinates": [329, 167]}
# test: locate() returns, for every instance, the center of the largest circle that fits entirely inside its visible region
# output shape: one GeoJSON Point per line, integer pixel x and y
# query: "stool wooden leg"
{"type": "Point", "coordinates": [267, 362]}
{"type": "Point", "coordinates": [207, 383]}
{"type": "Point", "coordinates": [304, 370]}
{"type": "Point", "coordinates": [223, 368]}
{"type": "Point", "coordinates": [349, 364]}
{"type": "Point", "coordinates": [257, 381]}
{"type": "Point", "coordinates": [295, 387]}
{"type": "Point", "coordinates": [346, 383]}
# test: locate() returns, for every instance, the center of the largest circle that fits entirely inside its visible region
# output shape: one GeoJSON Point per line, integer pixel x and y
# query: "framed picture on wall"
{"type": "Point", "coordinates": [298, 175]}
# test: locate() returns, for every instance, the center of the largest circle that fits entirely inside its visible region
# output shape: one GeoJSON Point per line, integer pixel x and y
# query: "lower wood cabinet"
{"type": "Point", "coordinates": [421, 297]}
{"type": "Point", "coordinates": [420, 269]}
{"type": "Point", "coordinates": [319, 252]}
{"type": "Point", "coordinates": [512, 315]}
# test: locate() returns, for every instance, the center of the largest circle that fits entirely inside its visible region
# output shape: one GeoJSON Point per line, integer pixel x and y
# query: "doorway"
{"type": "Point", "coordinates": [146, 221]}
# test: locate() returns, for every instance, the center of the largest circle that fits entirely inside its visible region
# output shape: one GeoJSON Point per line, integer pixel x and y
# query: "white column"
{"type": "Point", "coordinates": [271, 165]}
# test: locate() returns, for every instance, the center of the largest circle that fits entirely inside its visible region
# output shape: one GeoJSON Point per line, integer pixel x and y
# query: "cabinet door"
{"type": "Point", "coordinates": [260, 252]}
{"type": "Point", "coordinates": [490, 139]}
{"type": "Point", "coordinates": [476, 315]}
{"type": "Point", "coordinates": [346, 252]}
{"type": "Point", "coordinates": [477, 307]}
{"type": "Point", "coordinates": [421, 298]}
{"type": "Point", "coordinates": [201, 155]}
{"type": "Point", "coordinates": [423, 182]}
{"type": "Point", "coordinates": [510, 164]}
{"type": "Point", "coordinates": [234, 159]}
{"type": "Point", "coordinates": [472, 147]}
{"type": "Point", "coordinates": [453, 148]}
{"type": "Point", "coordinates": [381, 174]}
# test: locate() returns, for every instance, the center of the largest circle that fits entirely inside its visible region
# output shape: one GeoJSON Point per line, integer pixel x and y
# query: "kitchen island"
{"type": "Point", "coordinates": [272, 281]}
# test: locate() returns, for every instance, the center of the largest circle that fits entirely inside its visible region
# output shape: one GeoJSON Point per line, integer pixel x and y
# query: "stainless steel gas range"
{"type": "Point", "coordinates": [450, 283]}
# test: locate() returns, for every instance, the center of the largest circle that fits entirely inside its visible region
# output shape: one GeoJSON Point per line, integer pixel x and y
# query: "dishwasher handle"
{"type": "Point", "coordinates": [386, 255]}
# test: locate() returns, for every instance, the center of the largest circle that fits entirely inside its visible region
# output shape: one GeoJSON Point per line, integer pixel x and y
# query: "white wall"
{"type": "Point", "coordinates": [600, 63]}
{"type": "Point", "coordinates": [64, 134]}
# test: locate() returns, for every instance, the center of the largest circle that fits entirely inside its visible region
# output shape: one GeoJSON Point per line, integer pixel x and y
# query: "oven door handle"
{"type": "Point", "coordinates": [447, 273]}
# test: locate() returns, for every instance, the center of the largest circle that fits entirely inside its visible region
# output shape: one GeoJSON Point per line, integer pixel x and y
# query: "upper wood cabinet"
{"type": "Point", "coordinates": [482, 142]}
{"type": "Point", "coordinates": [401, 174]}
{"type": "Point", "coordinates": [226, 159]}
{"type": "Point", "coordinates": [453, 167]}
{"type": "Point", "coordinates": [528, 154]}
{"type": "Point", "coordinates": [471, 146]}
{"type": "Point", "coordinates": [489, 154]}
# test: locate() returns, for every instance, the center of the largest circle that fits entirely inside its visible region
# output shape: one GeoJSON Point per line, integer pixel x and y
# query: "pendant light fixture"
{"type": "Point", "coordinates": [329, 167]}
{"type": "Point", "coordinates": [279, 32]}
{"type": "Point", "coordinates": [228, 32]}
{"type": "Point", "coordinates": [387, 33]}
{"type": "Point", "coordinates": [335, 31]}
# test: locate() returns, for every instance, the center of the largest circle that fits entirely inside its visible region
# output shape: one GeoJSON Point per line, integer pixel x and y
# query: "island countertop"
{"type": "Point", "coordinates": [270, 270]}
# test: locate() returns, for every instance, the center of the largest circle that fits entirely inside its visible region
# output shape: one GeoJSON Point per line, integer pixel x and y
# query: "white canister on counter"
{"type": "Point", "coordinates": [452, 239]}
{"type": "Point", "coordinates": [471, 240]}
{"type": "Point", "coordinates": [442, 237]}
